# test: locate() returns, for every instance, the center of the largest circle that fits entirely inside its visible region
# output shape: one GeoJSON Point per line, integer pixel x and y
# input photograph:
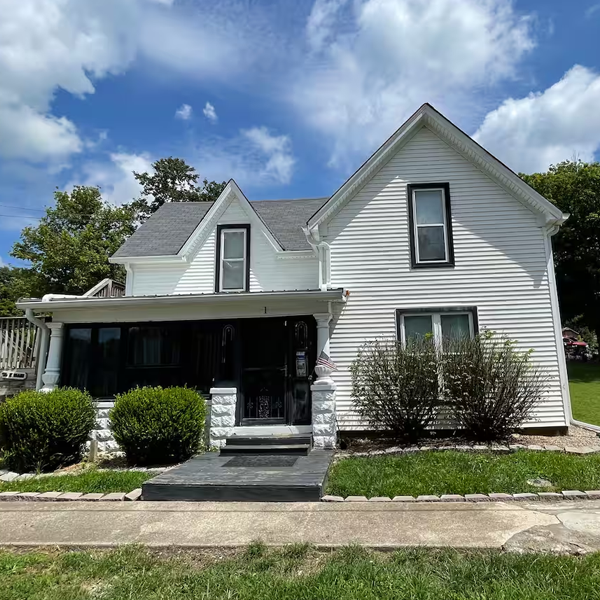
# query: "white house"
{"type": "Point", "coordinates": [239, 298]}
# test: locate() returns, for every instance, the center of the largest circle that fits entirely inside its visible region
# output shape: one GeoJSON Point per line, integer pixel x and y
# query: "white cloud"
{"type": "Point", "coordinates": [210, 113]}
{"type": "Point", "coordinates": [115, 176]}
{"type": "Point", "coordinates": [376, 61]}
{"type": "Point", "coordinates": [254, 158]}
{"type": "Point", "coordinates": [184, 112]}
{"type": "Point", "coordinates": [2, 263]}
{"type": "Point", "coordinates": [592, 10]}
{"type": "Point", "coordinates": [560, 123]}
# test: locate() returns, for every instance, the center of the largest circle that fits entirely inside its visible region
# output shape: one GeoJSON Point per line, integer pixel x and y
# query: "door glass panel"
{"type": "Point", "coordinates": [154, 346]}
{"type": "Point", "coordinates": [233, 244]}
{"type": "Point", "coordinates": [429, 207]}
{"type": "Point", "coordinates": [107, 362]}
{"type": "Point", "coordinates": [418, 326]}
{"type": "Point", "coordinates": [455, 326]}
{"type": "Point", "coordinates": [79, 357]}
{"type": "Point", "coordinates": [233, 275]}
{"type": "Point", "coordinates": [432, 245]}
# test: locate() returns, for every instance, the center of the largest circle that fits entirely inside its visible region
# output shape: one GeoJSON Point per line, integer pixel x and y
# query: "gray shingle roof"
{"type": "Point", "coordinates": [167, 230]}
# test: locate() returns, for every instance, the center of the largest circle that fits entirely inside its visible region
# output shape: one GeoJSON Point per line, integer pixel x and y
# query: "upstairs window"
{"type": "Point", "coordinates": [430, 225]}
{"type": "Point", "coordinates": [233, 254]}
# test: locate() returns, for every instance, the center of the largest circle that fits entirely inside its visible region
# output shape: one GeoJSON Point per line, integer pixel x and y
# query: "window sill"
{"type": "Point", "coordinates": [444, 265]}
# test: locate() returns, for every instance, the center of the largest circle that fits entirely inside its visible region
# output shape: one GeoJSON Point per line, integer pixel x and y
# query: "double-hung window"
{"type": "Point", "coordinates": [233, 254]}
{"type": "Point", "coordinates": [438, 323]}
{"type": "Point", "coordinates": [430, 225]}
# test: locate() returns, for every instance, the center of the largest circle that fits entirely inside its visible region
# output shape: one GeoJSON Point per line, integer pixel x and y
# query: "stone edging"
{"type": "Point", "coordinates": [527, 496]}
{"type": "Point", "coordinates": [476, 448]}
{"type": "Point", "coordinates": [71, 496]}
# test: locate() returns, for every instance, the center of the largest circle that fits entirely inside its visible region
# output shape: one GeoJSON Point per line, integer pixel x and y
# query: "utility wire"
{"type": "Point", "coordinates": [21, 207]}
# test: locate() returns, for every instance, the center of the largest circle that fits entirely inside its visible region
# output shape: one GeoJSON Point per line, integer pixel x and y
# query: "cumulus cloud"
{"type": "Point", "coordinates": [374, 62]}
{"type": "Point", "coordinates": [560, 123]}
{"type": "Point", "coordinates": [184, 112]}
{"type": "Point", "coordinates": [254, 158]}
{"type": "Point", "coordinates": [115, 175]}
{"type": "Point", "coordinates": [210, 113]}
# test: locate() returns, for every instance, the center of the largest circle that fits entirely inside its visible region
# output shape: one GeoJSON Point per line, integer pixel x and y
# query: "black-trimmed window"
{"type": "Point", "coordinates": [430, 219]}
{"type": "Point", "coordinates": [439, 323]}
{"type": "Point", "coordinates": [233, 258]}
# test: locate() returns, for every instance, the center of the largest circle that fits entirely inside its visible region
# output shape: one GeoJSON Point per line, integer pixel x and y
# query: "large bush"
{"type": "Point", "coordinates": [42, 431]}
{"type": "Point", "coordinates": [491, 387]}
{"type": "Point", "coordinates": [395, 388]}
{"type": "Point", "coordinates": [158, 426]}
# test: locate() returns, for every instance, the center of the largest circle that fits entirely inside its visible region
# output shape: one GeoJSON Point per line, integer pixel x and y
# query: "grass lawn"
{"type": "Point", "coordinates": [87, 482]}
{"type": "Point", "coordinates": [584, 383]}
{"type": "Point", "coordinates": [296, 573]}
{"type": "Point", "coordinates": [452, 472]}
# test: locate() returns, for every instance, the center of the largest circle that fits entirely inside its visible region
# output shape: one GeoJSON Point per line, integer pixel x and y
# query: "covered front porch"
{"type": "Point", "coordinates": [253, 355]}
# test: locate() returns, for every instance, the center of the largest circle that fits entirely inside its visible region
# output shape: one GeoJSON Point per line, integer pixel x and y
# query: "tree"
{"type": "Point", "coordinates": [69, 249]}
{"type": "Point", "coordinates": [173, 180]}
{"type": "Point", "coordinates": [574, 187]}
{"type": "Point", "coordinates": [15, 283]}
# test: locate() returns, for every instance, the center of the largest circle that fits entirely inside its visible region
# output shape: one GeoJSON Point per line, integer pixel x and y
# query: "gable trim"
{"type": "Point", "coordinates": [462, 143]}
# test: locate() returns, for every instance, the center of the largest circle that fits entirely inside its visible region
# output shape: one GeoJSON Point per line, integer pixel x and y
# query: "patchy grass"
{"type": "Point", "coordinates": [451, 472]}
{"type": "Point", "coordinates": [584, 384]}
{"type": "Point", "coordinates": [88, 482]}
{"type": "Point", "coordinates": [301, 573]}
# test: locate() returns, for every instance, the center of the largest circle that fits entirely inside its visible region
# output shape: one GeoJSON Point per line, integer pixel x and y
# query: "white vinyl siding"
{"type": "Point", "coordinates": [267, 271]}
{"type": "Point", "coordinates": [500, 265]}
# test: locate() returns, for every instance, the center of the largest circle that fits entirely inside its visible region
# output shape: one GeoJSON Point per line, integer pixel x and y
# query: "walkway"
{"type": "Point", "coordinates": [563, 527]}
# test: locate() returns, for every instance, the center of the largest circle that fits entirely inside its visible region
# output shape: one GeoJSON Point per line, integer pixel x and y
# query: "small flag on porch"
{"type": "Point", "coordinates": [325, 361]}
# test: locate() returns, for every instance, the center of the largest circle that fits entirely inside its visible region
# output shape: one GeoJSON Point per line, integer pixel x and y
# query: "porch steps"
{"type": "Point", "coordinates": [275, 445]}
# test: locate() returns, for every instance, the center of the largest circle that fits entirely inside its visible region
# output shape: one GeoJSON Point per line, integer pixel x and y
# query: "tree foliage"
{"type": "Point", "coordinates": [173, 180]}
{"type": "Point", "coordinates": [574, 187]}
{"type": "Point", "coordinates": [69, 249]}
{"type": "Point", "coordinates": [15, 283]}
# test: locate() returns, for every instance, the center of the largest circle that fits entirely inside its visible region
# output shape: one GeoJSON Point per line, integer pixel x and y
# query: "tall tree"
{"type": "Point", "coordinates": [574, 187]}
{"type": "Point", "coordinates": [173, 180]}
{"type": "Point", "coordinates": [15, 283]}
{"type": "Point", "coordinates": [68, 250]}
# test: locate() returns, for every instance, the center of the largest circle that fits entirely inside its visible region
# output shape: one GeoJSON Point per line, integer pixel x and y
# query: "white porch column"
{"type": "Point", "coordinates": [323, 391]}
{"type": "Point", "coordinates": [51, 375]}
{"type": "Point", "coordinates": [222, 415]}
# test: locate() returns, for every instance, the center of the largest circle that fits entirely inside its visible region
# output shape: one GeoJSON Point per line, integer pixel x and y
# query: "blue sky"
{"type": "Point", "coordinates": [286, 97]}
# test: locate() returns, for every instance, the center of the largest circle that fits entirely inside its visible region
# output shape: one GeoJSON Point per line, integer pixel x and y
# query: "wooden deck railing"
{"type": "Point", "coordinates": [18, 343]}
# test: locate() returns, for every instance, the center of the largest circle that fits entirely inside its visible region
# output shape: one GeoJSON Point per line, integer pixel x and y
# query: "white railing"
{"type": "Point", "coordinates": [18, 343]}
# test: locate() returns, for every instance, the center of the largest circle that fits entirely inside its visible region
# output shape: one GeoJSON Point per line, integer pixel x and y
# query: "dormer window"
{"type": "Point", "coordinates": [233, 258]}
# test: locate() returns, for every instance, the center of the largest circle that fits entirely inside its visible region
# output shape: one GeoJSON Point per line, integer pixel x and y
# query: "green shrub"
{"type": "Point", "coordinates": [158, 426]}
{"type": "Point", "coordinates": [42, 431]}
{"type": "Point", "coordinates": [395, 388]}
{"type": "Point", "coordinates": [491, 387]}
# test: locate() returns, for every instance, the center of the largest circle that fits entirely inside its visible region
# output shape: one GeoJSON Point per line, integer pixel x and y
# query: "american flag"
{"type": "Point", "coordinates": [325, 361]}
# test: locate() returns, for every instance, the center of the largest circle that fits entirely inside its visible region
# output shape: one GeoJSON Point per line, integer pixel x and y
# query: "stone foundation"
{"type": "Point", "coordinates": [101, 432]}
{"type": "Point", "coordinates": [323, 415]}
{"type": "Point", "coordinates": [10, 387]}
{"type": "Point", "coordinates": [222, 415]}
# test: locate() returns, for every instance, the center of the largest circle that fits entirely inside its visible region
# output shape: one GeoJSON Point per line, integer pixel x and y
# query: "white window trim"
{"type": "Point", "coordinates": [416, 226]}
{"type": "Point", "coordinates": [243, 259]}
{"type": "Point", "coordinates": [436, 318]}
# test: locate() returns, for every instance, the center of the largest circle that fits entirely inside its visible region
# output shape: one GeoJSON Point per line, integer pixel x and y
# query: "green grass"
{"type": "Point", "coordinates": [297, 573]}
{"type": "Point", "coordinates": [88, 482]}
{"type": "Point", "coordinates": [584, 384]}
{"type": "Point", "coordinates": [451, 472]}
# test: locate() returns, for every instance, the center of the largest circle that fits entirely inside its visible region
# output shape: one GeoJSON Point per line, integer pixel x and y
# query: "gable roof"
{"type": "Point", "coordinates": [428, 116]}
{"type": "Point", "coordinates": [170, 227]}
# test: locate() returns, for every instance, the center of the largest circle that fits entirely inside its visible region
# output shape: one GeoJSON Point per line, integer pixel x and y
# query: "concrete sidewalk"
{"type": "Point", "coordinates": [560, 527]}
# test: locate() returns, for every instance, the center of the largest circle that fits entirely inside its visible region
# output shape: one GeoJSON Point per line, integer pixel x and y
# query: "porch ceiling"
{"type": "Point", "coordinates": [178, 299]}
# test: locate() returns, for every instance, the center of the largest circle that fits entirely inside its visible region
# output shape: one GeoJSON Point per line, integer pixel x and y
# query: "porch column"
{"type": "Point", "coordinates": [51, 374]}
{"type": "Point", "coordinates": [323, 391]}
{"type": "Point", "coordinates": [222, 415]}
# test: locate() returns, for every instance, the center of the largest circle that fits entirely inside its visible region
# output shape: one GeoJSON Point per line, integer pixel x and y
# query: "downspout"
{"type": "Point", "coordinates": [43, 348]}
{"type": "Point", "coordinates": [321, 248]}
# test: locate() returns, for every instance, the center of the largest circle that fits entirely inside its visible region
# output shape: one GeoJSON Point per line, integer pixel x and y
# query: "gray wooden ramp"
{"type": "Point", "coordinates": [239, 478]}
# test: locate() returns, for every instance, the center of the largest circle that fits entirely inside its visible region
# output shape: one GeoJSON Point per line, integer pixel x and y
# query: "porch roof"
{"type": "Point", "coordinates": [50, 303]}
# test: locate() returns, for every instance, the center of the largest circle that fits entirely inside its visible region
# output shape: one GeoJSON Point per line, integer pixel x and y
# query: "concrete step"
{"type": "Point", "coordinates": [239, 449]}
{"type": "Point", "coordinates": [275, 440]}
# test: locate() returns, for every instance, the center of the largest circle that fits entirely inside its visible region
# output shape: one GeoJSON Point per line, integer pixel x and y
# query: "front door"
{"type": "Point", "coordinates": [277, 361]}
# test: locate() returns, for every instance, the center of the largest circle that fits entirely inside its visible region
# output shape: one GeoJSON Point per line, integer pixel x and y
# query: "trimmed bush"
{"type": "Point", "coordinates": [155, 425]}
{"type": "Point", "coordinates": [491, 387]}
{"type": "Point", "coordinates": [395, 388]}
{"type": "Point", "coordinates": [43, 431]}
